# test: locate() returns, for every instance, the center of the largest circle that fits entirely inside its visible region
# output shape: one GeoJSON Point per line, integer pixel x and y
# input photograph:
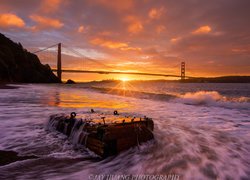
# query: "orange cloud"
{"type": "Point", "coordinates": [135, 25]}
{"type": "Point", "coordinates": [45, 22]}
{"type": "Point", "coordinates": [174, 40]}
{"type": "Point", "coordinates": [160, 28]}
{"type": "Point", "coordinates": [81, 29]}
{"type": "Point", "coordinates": [113, 45]}
{"type": "Point", "coordinates": [48, 6]}
{"type": "Point", "coordinates": [202, 30]}
{"type": "Point", "coordinates": [108, 44]}
{"type": "Point", "coordinates": [130, 63]}
{"type": "Point", "coordinates": [240, 50]}
{"type": "Point", "coordinates": [155, 13]}
{"type": "Point", "coordinates": [11, 20]}
{"type": "Point", "coordinates": [130, 48]}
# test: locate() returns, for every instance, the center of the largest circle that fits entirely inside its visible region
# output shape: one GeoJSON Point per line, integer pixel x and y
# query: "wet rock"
{"type": "Point", "coordinates": [19, 65]}
{"type": "Point", "coordinates": [7, 157]}
{"type": "Point", "coordinates": [69, 81]}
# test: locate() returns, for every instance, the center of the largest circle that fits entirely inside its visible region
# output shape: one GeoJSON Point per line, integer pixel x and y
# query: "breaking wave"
{"type": "Point", "coordinates": [213, 98]}
{"type": "Point", "coordinates": [207, 98]}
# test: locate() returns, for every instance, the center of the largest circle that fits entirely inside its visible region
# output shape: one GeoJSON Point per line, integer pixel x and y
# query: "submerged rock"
{"type": "Point", "coordinates": [20, 66]}
{"type": "Point", "coordinates": [7, 157]}
{"type": "Point", "coordinates": [104, 134]}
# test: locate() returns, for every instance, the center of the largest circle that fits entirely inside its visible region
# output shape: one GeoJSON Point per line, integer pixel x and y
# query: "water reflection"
{"type": "Point", "coordinates": [81, 99]}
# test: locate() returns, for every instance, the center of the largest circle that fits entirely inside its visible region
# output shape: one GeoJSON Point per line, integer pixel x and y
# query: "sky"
{"type": "Point", "coordinates": [155, 36]}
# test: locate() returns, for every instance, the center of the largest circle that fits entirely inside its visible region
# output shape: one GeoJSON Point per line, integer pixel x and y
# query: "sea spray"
{"type": "Point", "coordinates": [202, 97]}
{"type": "Point", "coordinates": [213, 98]}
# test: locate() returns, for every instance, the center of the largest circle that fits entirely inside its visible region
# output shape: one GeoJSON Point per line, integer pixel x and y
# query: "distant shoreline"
{"type": "Point", "coordinates": [222, 79]}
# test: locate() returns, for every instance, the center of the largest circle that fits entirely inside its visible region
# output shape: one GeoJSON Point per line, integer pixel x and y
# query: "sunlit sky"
{"type": "Point", "coordinates": [212, 37]}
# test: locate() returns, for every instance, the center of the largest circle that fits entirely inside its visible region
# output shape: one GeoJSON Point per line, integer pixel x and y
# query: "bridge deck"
{"type": "Point", "coordinates": [117, 72]}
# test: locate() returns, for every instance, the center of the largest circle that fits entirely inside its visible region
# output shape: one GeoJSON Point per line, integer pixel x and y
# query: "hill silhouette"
{"type": "Point", "coordinates": [17, 65]}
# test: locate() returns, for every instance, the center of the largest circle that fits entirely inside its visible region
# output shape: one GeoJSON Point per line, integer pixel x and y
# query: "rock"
{"type": "Point", "coordinates": [69, 81]}
{"type": "Point", "coordinates": [7, 157]}
{"type": "Point", "coordinates": [105, 135]}
{"type": "Point", "coordinates": [20, 66]}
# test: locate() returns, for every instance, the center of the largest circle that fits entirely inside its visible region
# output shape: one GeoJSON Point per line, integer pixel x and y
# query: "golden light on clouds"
{"type": "Point", "coordinates": [108, 44]}
{"type": "Point", "coordinates": [134, 24]}
{"type": "Point", "coordinates": [160, 28]}
{"type": "Point", "coordinates": [134, 63]}
{"type": "Point", "coordinates": [176, 39]}
{"type": "Point", "coordinates": [11, 20]}
{"type": "Point", "coordinates": [202, 30]}
{"type": "Point", "coordinates": [81, 29]}
{"type": "Point", "coordinates": [45, 22]}
{"type": "Point", "coordinates": [155, 13]}
{"type": "Point", "coordinates": [130, 48]}
{"type": "Point", "coordinates": [135, 27]}
{"type": "Point", "coordinates": [239, 50]}
{"type": "Point", "coordinates": [112, 45]}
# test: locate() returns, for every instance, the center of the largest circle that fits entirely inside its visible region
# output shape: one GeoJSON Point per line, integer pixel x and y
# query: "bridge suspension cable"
{"type": "Point", "coordinates": [82, 56]}
{"type": "Point", "coordinates": [45, 48]}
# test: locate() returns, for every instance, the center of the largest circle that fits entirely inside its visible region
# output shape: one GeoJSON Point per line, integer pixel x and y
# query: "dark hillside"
{"type": "Point", "coordinates": [17, 65]}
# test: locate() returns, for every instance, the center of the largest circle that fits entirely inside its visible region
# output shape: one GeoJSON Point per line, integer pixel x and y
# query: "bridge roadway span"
{"type": "Point", "coordinates": [117, 72]}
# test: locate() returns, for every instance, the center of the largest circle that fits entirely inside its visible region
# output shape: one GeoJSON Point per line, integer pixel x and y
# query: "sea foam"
{"type": "Point", "coordinates": [213, 98]}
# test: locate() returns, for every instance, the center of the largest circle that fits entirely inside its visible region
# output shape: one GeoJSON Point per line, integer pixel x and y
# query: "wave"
{"type": "Point", "coordinates": [207, 98]}
{"type": "Point", "coordinates": [213, 98]}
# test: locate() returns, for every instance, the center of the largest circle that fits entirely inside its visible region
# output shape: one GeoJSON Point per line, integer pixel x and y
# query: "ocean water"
{"type": "Point", "coordinates": [202, 131]}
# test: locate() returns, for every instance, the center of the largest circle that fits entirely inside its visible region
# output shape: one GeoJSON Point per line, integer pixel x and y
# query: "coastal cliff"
{"type": "Point", "coordinates": [17, 65]}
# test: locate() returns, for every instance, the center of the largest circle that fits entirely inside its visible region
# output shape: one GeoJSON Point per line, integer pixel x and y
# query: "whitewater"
{"type": "Point", "coordinates": [202, 131]}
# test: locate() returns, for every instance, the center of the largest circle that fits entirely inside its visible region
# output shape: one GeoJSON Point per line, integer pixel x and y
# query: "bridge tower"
{"type": "Point", "coordinates": [59, 62]}
{"type": "Point", "coordinates": [182, 70]}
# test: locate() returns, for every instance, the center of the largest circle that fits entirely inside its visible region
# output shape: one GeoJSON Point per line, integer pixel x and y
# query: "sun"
{"type": "Point", "coordinates": [124, 79]}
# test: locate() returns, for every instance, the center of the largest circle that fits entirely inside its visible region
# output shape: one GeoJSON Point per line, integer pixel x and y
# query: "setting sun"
{"type": "Point", "coordinates": [124, 79]}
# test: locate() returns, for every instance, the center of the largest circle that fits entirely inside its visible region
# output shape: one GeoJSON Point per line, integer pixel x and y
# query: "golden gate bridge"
{"type": "Point", "coordinates": [57, 48]}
